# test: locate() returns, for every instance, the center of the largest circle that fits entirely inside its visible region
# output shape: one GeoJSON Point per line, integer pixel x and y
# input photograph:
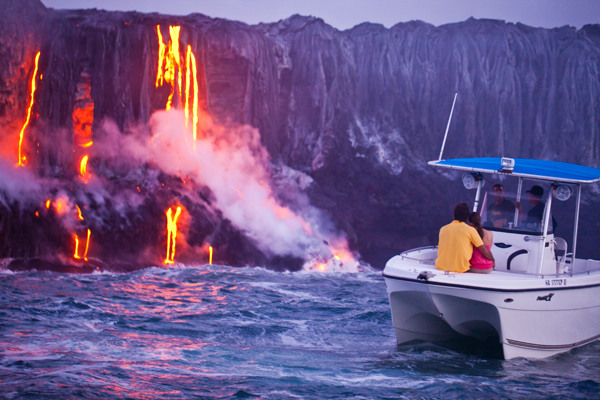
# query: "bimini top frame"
{"type": "Point", "coordinates": [523, 168]}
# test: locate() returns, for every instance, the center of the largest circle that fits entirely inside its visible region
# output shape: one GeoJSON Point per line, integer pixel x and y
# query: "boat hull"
{"type": "Point", "coordinates": [532, 323]}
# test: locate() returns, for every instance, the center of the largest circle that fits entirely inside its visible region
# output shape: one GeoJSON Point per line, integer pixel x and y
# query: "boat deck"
{"type": "Point", "coordinates": [419, 264]}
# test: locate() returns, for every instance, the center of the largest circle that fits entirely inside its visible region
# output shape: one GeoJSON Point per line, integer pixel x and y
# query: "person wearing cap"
{"type": "Point", "coordinates": [535, 215]}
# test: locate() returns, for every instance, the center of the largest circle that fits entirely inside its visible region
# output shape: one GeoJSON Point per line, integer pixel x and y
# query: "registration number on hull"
{"type": "Point", "coordinates": [556, 282]}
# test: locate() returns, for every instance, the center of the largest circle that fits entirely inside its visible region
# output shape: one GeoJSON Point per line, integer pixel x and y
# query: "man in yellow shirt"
{"type": "Point", "coordinates": [455, 246]}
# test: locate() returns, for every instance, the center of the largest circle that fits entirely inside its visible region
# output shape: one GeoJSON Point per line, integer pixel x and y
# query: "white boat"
{"type": "Point", "coordinates": [539, 300]}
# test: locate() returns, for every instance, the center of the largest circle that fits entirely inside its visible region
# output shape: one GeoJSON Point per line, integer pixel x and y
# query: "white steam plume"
{"type": "Point", "coordinates": [234, 165]}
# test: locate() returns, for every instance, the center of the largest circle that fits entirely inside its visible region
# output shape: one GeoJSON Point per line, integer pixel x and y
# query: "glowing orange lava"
{"type": "Point", "coordinates": [22, 159]}
{"type": "Point", "coordinates": [161, 58]}
{"type": "Point", "coordinates": [48, 203]}
{"type": "Point", "coordinates": [83, 112]}
{"type": "Point", "coordinates": [190, 67]}
{"type": "Point", "coordinates": [76, 254]}
{"type": "Point", "coordinates": [174, 33]}
{"type": "Point", "coordinates": [170, 68]}
{"type": "Point", "coordinates": [171, 234]}
{"type": "Point", "coordinates": [210, 254]}
{"type": "Point", "coordinates": [83, 172]}
{"type": "Point", "coordinates": [60, 205]}
{"type": "Point", "coordinates": [79, 213]}
{"type": "Point", "coordinates": [87, 246]}
{"type": "Point", "coordinates": [172, 62]}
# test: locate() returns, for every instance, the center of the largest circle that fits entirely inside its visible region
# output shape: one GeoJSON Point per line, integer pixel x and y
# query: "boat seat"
{"type": "Point", "coordinates": [560, 253]}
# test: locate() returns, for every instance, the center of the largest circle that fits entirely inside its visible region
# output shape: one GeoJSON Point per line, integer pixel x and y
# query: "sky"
{"type": "Point", "coordinates": [344, 14]}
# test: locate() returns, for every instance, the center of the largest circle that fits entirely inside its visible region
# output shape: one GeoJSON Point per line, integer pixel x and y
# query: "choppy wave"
{"type": "Point", "coordinates": [225, 332]}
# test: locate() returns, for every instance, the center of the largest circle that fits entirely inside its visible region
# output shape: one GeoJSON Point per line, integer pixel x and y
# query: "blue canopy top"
{"type": "Point", "coordinates": [526, 168]}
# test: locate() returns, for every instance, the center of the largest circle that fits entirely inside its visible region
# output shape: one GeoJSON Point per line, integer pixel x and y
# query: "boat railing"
{"type": "Point", "coordinates": [419, 255]}
{"type": "Point", "coordinates": [580, 267]}
{"type": "Point", "coordinates": [586, 266]}
{"type": "Point", "coordinates": [426, 255]}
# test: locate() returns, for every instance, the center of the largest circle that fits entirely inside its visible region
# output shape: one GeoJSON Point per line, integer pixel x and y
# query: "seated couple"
{"type": "Point", "coordinates": [465, 247]}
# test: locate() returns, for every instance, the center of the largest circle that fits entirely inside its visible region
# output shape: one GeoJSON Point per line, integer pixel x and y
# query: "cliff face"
{"type": "Point", "coordinates": [353, 114]}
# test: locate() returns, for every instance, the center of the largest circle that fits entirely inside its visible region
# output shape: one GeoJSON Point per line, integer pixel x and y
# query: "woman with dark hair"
{"type": "Point", "coordinates": [456, 243]}
{"type": "Point", "coordinates": [480, 264]}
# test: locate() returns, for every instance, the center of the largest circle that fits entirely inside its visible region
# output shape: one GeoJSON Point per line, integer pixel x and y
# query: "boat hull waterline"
{"type": "Point", "coordinates": [531, 316]}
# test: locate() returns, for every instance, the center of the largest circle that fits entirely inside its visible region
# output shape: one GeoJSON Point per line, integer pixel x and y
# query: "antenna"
{"type": "Point", "coordinates": [447, 127]}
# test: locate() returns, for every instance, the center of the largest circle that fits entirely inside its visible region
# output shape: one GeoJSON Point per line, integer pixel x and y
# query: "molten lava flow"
{"type": "Point", "coordinates": [173, 64]}
{"type": "Point", "coordinates": [22, 159]}
{"type": "Point", "coordinates": [48, 203]}
{"type": "Point", "coordinates": [170, 67]}
{"type": "Point", "coordinates": [171, 234]}
{"type": "Point", "coordinates": [168, 60]}
{"type": "Point", "coordinates": [210, 254]}
{"type": "Point", "coordinates": [60, 205]}
{"type": "Point", "coordinates": [187, 85]}
{"type": "Point", "coordinates": [83, 119]}
{"type": "Point", "coordinates": [83, 165]}
{"type": "Point", "coordinates": [76, 254]}
{"type": "Point", "coordinates": [83, 112]}
{"type": "Point", "coordinates": [79, 213]}
{"type": "Point", "coordinates": [174, 33]}
{"type": "Point", "coordinates": [160, 78]}
{"type": "Point", "coordinates": [83, 173]}
{"type": "Point", "coordinates": [190, 67]}
{"type": "Point", "coordinates": [87, 246]}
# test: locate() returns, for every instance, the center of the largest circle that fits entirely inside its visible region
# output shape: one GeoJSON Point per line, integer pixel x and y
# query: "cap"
{"type": "Point", "coordinates": [536, 191]}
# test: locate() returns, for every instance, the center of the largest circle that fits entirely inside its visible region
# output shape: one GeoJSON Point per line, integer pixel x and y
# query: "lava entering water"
{"type": "Point", "coordinates": [232, 162]}
{"type": "Point", "coordinates": [170, 69]}
{"type": "Point", "coordinates": [229, 163]}
{"type": "Point", "coordinates": [22, 159]}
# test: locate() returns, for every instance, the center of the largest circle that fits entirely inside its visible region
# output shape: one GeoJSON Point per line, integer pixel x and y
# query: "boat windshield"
{"type": "Point", "coordinates": [500, 211]}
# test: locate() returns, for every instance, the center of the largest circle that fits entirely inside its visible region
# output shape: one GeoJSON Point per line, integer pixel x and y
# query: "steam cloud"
{"type": "Point", "coordinates": [230, 161]}
{"type": "Point", "coordinates": [235, 166]}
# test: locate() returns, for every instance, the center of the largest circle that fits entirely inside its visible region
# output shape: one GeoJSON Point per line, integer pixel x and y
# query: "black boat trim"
{"type": "Point", "coordinates": [513, 255]}
{"type": "Point", "coordinates": [536, 346]}
{"type": "Point", "coordinates": [542, 289]}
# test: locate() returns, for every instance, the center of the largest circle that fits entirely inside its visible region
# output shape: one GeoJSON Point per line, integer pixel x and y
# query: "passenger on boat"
{"type": "Point", "coordinates": [535, 215]}
{"type": "Point", "coordinates": [480, 264]}
{"type": "Point", "coordinates": [456, 243]}
{"type": "Point", "coordinates": [501, 211]}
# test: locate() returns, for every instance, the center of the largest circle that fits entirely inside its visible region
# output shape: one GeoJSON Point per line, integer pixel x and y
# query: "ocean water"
{"type": "Point", "coordinates": [218, 332]}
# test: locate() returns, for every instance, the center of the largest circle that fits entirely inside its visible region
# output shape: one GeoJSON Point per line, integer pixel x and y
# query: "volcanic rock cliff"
{"type": "Point", "coordinates": [347, 119]}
